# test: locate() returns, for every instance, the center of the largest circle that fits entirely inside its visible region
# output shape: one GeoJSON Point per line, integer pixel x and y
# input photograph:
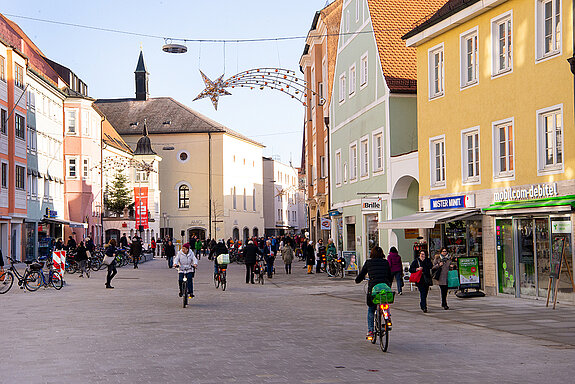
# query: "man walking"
{"type": "Point", "coordinates": [251, 252]}
{"type": "Point", "coordinates": [136, 250]}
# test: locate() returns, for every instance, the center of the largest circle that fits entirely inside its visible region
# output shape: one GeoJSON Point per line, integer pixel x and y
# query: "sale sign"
{"type": "Point", "coordinates": [141, 203]}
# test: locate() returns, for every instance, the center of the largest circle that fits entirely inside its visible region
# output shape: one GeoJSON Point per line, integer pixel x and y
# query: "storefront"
{"type": "Point", "coordinates": [527, 234]}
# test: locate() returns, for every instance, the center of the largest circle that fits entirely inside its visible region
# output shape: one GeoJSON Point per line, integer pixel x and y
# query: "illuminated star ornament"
{"type": "Point", "coordinates": [213, 90]}
{"type": "Point", "coordinates": [282, 80]}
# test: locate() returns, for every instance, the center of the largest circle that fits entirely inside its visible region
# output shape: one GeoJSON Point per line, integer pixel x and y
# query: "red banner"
{"type": "Point", "coordinates": [141, 203]}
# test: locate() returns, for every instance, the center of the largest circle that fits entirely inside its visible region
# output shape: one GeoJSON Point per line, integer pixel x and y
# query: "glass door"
{"type": "Point", "coordinates": [505, 256]}
{"type": "Point", "coordinates": [542, 251]}
{"type": "Point", "coordinates": [526, 255]}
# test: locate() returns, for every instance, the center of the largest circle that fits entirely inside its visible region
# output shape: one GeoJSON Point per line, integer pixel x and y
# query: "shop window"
{"type": "Point", "coordinates": [350, 229]}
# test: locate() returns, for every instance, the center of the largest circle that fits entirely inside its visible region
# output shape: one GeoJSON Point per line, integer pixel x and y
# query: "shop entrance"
{"type": "Point", "coordinates": [200, 233]}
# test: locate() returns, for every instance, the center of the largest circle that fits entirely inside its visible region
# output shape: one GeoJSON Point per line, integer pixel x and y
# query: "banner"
{"type": "Point", "coordinates": [468, 272]}
{"type": "Point", "coordinates": [141, 204]}
{"type": "Point", "coordinates": [325, 224]}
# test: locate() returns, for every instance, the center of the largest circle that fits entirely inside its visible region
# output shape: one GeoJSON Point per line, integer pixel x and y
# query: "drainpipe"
{"type": "Point", "coordinates": [210, 183]}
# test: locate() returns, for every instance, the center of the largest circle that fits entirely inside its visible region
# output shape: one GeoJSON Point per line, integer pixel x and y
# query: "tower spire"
{"type": "Point", "coordinates": [141, 75]}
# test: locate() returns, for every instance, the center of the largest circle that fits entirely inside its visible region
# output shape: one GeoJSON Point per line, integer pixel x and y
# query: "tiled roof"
{"type": "Point", "coordinates": [112, 138]}
{"type": "Point", "coordinates": [163, 115]}
{"type": "Point", "coordinates": [448, 9]}
{"type": "Point", "coordinates": [391, 20]}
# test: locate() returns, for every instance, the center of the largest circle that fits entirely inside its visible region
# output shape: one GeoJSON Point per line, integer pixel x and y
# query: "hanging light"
{"type": "Point", "coordinates": [170, 47]}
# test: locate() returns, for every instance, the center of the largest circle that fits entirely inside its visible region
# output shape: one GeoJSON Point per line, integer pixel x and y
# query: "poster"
{"type": "Point", "coordinates": [350, 261]}
{"type": "Point", "coordinates": [325, 224]}
{"type": "Point", "coordinates": [141, 203]}
{"type": "Point", "coordinates": [468, 272]}
{"type": "Point", "coordinates": [556, 257]}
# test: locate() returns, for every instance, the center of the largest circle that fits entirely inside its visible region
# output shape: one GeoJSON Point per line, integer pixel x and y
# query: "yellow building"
{"type": "Point", "coordinates": [496, 139]}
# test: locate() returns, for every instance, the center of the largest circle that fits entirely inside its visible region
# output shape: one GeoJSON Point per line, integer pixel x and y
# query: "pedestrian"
{"type": "Point", "coordinates": [170, 252]}
{"type": "Point", "coordinates": [310, 257]}
{"type": "Point", "coordinates": [90, 246]}
{"type": "Point", "coordinates": [269, 257]}
{"type": "Point", "coordinates": [378, 270]}
{"type": "Point", "coordinates": [396, 266]}
{"type": "Point", "coordinates": [251, 252]}
{"type": "Point", "coordinates": [287, 256]}
{"type": "Point", "coordinates": [123, 241]}
{"type": "Point", "coordinates": [440, 270]}
{"type": "Point", "coordinates": [198, 247]}
{"type": "Point", "coordinates": [320, 255]}
{"type": "Point", "coordinates": [59, 244]}
{"type": "Point", "coordinates": [71, 245]}
{"type": "Point", "coordinates": [186, 263]}
{"type": "Point", "coordinates": [112, 271]}
{"type": "Point", "coordinates": [153, 246]}
{"type": "Point", "coordinates": [136, 250]}
{"type": "Point", "coordinates": [422, 263]}
{"type": "Point", "coordinates": [81, 258]}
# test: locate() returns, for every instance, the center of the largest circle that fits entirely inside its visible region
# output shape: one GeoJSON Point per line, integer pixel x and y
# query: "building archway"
{"type": "Point", "coordinates": [112, 234]}
{"type": "Point", "coordinates": [405, 201]}
{"type": "Point", "coordinates": [198, 232]}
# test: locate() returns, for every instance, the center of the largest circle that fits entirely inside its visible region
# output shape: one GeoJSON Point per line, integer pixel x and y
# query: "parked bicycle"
{"type": "Point", "coordinates": [336, 267]}
{"type": "Point", "coordinates": [54, 279]}
{"type": "Point", "coordinates": [29, 279]}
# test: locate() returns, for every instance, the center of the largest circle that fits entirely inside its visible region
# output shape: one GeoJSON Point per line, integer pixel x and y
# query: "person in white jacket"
{"type": "Point", "coordinates": [186, 262]}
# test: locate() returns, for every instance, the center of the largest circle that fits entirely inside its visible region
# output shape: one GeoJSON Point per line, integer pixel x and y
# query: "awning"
{"type": "Point", "coordinates": [426, 219]}
{"type": "Point", "coordinates": [551, 204]}
{"type": "Point", "coordinates": [74, 224]}
{"type": "Point", "coordinates": [55, 221]}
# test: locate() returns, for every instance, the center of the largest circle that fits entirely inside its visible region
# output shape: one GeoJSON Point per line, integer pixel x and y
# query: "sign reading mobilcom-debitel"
{"type": "Point", "coordinates": [536, 191]}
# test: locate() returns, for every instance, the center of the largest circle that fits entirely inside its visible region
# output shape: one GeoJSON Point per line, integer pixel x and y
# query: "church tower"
{"type": "Point", "coordinates": [141, 79]}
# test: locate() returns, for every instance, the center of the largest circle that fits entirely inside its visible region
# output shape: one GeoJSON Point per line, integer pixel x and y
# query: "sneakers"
{"type": "Point", "coordinates": [446, 307]}
{"type": "Point", "coordinates": [369, 335]}
{"type": "Point", "coordinates": [190, 296]}
{"type": "Point", "coordinates": [181, 294]}
{"type": "Point", "coordinates": [109, 287]}
{"type": "Point", "coordinates": [424, 310]}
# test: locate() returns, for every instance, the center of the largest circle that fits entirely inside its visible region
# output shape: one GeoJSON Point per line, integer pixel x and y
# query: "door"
{"type": "Point", "coordinates": [505, 256]}
{"type": "Point", "coordinates": [542, 248]}
{"type": "Point", "coordinates": [526, 262]}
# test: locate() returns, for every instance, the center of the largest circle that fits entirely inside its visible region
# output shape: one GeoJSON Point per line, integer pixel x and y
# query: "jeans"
{"type": "Point", "coordinates": [170, 261]}
{"type": "Point", "coordinates": [443, 289]}
{"type": "Point", "coordinates": [423, 291]}
{"type": "Point", "coordinates": [370, 317]}
{"type": "Point", "coordinates": [190, 276]}
{"type": "Point", "coordinates": [111, 273]}
{"type": "Point", "coordinates": [270, 266]}
{"type": "Point", "coordinates": [398, 280]}
{"type": "Point", "coordinates": [82, 266]}
{"type": "Point", "coordinates": [136, 259]}
{"type": "Point", "coordinates": [288, 269]}
{"type": "Point", "coordinates": [249, 273]}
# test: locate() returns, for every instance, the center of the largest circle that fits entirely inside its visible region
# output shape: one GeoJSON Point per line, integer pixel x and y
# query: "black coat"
{"type": "Point", "coordinates": [426, 276]}
{"type": "Point", "coordinates": [136, 247]}
{"type": "Point", "coordinates": [310, 255]}
{"type": "Point", "coordinates": [378, 271]}
{"type": "Point", "coordinates": [170, 250]}
{"type": "Point", "coordinates": [81, 253]}
{"type": "Point", "coordinates": [251, 252]}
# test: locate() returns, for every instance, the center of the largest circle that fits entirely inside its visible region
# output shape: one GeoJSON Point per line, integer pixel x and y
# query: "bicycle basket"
{"type": "Point", "coordinates": [36, 266]}
{"type": "Point", "coordinates": [383, 297]}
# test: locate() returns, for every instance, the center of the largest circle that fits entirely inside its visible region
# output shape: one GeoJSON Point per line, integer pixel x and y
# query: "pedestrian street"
{"type": "Point", "coordinates": [295, 328]}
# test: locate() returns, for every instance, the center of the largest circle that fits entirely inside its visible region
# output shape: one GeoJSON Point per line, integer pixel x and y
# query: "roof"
{"type": "Point", "coordinates": [451, 7]}
{"type": "Point", "coordinates": [163, 115]}
{"type": "Point", "coordinates": [113, 139]}
{"type": "Point", "coordinates": [398, 61]}
{"type": "Point", "coordinates": [141, 67]}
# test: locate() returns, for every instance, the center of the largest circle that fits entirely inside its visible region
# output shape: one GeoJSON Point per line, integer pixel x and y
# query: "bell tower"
{"type": "Point", "coordinates": [141, 79]}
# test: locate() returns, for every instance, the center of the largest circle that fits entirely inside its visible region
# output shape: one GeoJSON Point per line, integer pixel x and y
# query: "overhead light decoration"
{"type": "Point", "coordinates": [170, 47]}
{"type": "Point", "coordinates": [279, 79]}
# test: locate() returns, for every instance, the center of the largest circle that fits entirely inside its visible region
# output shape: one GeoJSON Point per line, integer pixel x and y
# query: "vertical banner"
{"type": "Point", "coordinates": [141, 203]}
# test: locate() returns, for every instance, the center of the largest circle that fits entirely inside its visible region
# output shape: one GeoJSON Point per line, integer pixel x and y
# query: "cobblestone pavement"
{"type": "Point", "coordinates": [294, 329]}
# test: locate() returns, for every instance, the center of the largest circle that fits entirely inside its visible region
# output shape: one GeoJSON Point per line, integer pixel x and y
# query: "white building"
{"type": "Point", "coordinates": [284, 202]}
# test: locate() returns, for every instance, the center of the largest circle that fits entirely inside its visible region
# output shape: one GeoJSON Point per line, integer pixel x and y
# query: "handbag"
{"type": "Point", "coordinates": [108, 260]}
{"type": "Point", "coordinates": [415, 277]}
{"type": "Point", "coordinates": [437, 273]}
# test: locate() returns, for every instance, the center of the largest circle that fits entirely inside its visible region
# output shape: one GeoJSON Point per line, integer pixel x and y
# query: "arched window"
{"type": "Point", "coordinates": [184, 196]}
{"type": "Point", "coordinates": [236, 234]}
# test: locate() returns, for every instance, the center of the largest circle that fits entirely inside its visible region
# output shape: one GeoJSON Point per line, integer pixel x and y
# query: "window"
{"type": "Point", "coordinates": [234, 197]}
{"type": "Point", "coordinates": [85, 123]}
{"type": "Point", "coordinates": [363, 66]}
{"type": "Point", "coordinates": [46, 189]}
{"type": "Point", "coordinates": [142, 176]}
{"type": "Point", "coordinates": [323, 167]}
{"type": "Point", "coordinates": [364, 153]}
{"type": "Point", "coordinates": [548, 28]}
{"type": "Point", "coordinates": [2, 68]}
{"type": "Point", "coordinates": [503, 161]}
{"type": "Point", "coordinates": [71, 121]}
{"type": "Point", "coordinates": [20, 127]}
{"type": "Point", "coordinates": [85, 168]}
{"type": "Point", "coordinates": [4, 124]}
{"type": "Point", "coordinates": [31, 140]}
{"type": "Point", "coordinates": [352, 80]}
{"type": "Point", "coordinates": [436, 71]}
{"type": "Point", "coordinates": [184, 196]}
{"type": "Point", "coordinates": [19, 76]}
{"type": "Point", "coordinates": [342, 88]}
{"type": "Point", "coordinates": [338, 167]}
{"type": "Point", "coordinates": [320, 97]}
{"type": "Point", "coordinates": [550, 138]}
{"type": "Point", "coordinates": [4, 175]}
{"type": "Point", "coordinates": [470, 155]}
{"type": "Point", "coordinates": [502, 39]}
{"type": "Point", "coordinates": [378, 152]}
{"type": "Point", "coordinates": [437, 152]}
{"type": "Point", "coordinates": [357, 5]}
{"type": "Point", "coordinates": [72, 168]}
{"type": "Point", "coordinates": [353, 161]}
{"type": "Point", "coordinates": [20, 177]}
{"type": "Point", "coordinates": [245, 201]}
{"type": "Point", "coordinates": [469, 58]}
{"type": "Point", "coordinates": [345, 172]}
{"type": "Point", "coordinates": [347, 22]}
{"type": "Point", "coordinates": [254, 201]}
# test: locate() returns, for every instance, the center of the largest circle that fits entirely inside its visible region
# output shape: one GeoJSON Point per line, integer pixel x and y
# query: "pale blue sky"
{"type": "Point", "coordinates": [106, 61]}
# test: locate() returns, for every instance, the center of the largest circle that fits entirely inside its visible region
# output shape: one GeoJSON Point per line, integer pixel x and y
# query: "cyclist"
{"type": "Point", "coordinates": [378, 270]}
{"type": "Point", "coordinates": [186, 263]}
{"type": "Point", "coordinates": [219, 249]}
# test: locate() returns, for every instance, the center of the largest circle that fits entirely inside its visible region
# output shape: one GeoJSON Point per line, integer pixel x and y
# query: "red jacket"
{"type": "Point", "coordinates": [394, 261]}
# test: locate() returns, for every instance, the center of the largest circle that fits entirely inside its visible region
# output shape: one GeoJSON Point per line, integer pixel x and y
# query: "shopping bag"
{"type": "Point", "coordinates": [453, 279]}
{"type": "Point", "coordinates": [415, 277]}
{"type": "Point", "coordinates": [224, 259]}
{"type": "Point", "coordinates": [108, 260]}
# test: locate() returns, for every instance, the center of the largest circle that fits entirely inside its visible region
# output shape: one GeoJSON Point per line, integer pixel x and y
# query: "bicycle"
{"type": "Point", "coordinates": [382, 318]}
{"type": "Point", "coordinates": [29, 279]}
{"type": "Point", "coordinates": [220, 277]}
{"type": "Point", "coordinates": [54, 279]}
{"type": "Point", "coordinates": [259, 272]}
{"type": "Point", "coordinates": [184, 290]}
{"type": "Point", "coordinates": [336, 267]}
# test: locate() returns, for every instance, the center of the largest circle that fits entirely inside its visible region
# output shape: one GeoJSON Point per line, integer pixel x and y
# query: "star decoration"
{"type": "Point", "coordinates": [213, 90]}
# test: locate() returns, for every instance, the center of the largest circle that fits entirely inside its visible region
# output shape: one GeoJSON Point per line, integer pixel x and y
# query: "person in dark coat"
{"type": "Point", "coordinates": [170, 252]}
{"type": "Point", "coordinates": [136, 250]}
{"type": "Point", "coordinates": [81, 258]}
{"type": "Point", "coordinates": [71, 245]}
{"type": "Point", "coordinates": [396, 266]}
{"type": "Point", "coordinates": [309, 257]}
{"type": "Point", "coordinates": [111, 251]}
{"type": "Point", "coordinates": [251, 252]}
{"type": "Point", "coordinates": [269, 257]}
{"type": "Point", "coordinates": [59, 245]}
{"type": "Point", "coordinates": [442, 262]}
{"type": "Point", "coordinates": [218, 249]}
{"type": "Point", "coordinates": [378, 270]}
{"type": "Point", "coordinates": [123, 241]}
{"type": "Point", "coordinates": [422, 263]}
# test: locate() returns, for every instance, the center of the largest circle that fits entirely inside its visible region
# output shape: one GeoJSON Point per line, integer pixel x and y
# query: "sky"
{"type": "Point", "coordinates": [106, 61]}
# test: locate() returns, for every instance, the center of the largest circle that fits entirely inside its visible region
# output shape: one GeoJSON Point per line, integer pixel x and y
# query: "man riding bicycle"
{"type": "Point", "coordinates": [186, 263]}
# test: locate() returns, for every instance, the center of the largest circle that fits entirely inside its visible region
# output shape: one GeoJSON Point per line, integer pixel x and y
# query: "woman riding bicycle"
{"type": "Point", "coordinates": [377, 268]}
{"type": "Point", "coordinates": [186, 263]}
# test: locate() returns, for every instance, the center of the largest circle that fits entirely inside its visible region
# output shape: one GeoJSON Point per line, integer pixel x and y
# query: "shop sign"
{"type": "Point", "coordinates": [51, 213]}
{"type": "Point", "coordinates": [452, 202]}
{"type": "Point", "coordinates": [325, 224]}
{"type": "Point", "coordinates": [335, 213]}
{"type": "Point", "coordinates": [468, 272]}
{"type": "Point", "coordinates": [535, 191]}
{"type": "Point", "coordinates": [411, 233]}
{"type": "Point", "coordinates": [561, 227]}
{"type": "Point", "coordinates": [371, 205]}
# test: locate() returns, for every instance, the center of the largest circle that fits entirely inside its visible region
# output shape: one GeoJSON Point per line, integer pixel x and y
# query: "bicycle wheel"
{"type": "Point", "coordinates": [70, 268]}
{"type": "Point", "coordinates": [261, 277]}
{"type": "Point", "coordinates": [185, 293]}
{"type": "Point", "coordinates": [217, 280]}
{"type": "Point", "coordinates": [56, 281]}
{"type": "Point", "coordinates": [376, 325]}
{"type": "Point", "coordinates": [342, 271]}
{"type": "Point", "coordinates": [33, 280]}
{"type": "Point", "coordinates": [384, 338]}
{"type": "Point", "coordinates": [95, 264]}
{"type": "Point", "coordinates": [332, 269]}
{"type": "Point", "coordinates": [6, 281]}
{"type": "Point", "coordinates": [223, 281]}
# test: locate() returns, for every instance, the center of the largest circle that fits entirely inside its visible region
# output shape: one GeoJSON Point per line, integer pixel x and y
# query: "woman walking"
{"type": "Point", "coordinates": [287, 255]}
{"type": "Point", "coordinates": [81, 259]}
{"type": "Point", "coordinates": [310, 257]}
{"type": "Point", "coordinates": [441, 265]}
{"type": "Point", "coordinates": [170, 252]}
{"type": "Point", "coordinates": [422, 263]}
{"type": "Point", "coordinates": [111, 252]}
{"type": "Point", "coordinates": [396, 266]}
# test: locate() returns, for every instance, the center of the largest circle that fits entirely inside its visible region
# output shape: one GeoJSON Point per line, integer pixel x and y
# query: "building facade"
{"type": "Point", "coordinates": [497, 177]}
